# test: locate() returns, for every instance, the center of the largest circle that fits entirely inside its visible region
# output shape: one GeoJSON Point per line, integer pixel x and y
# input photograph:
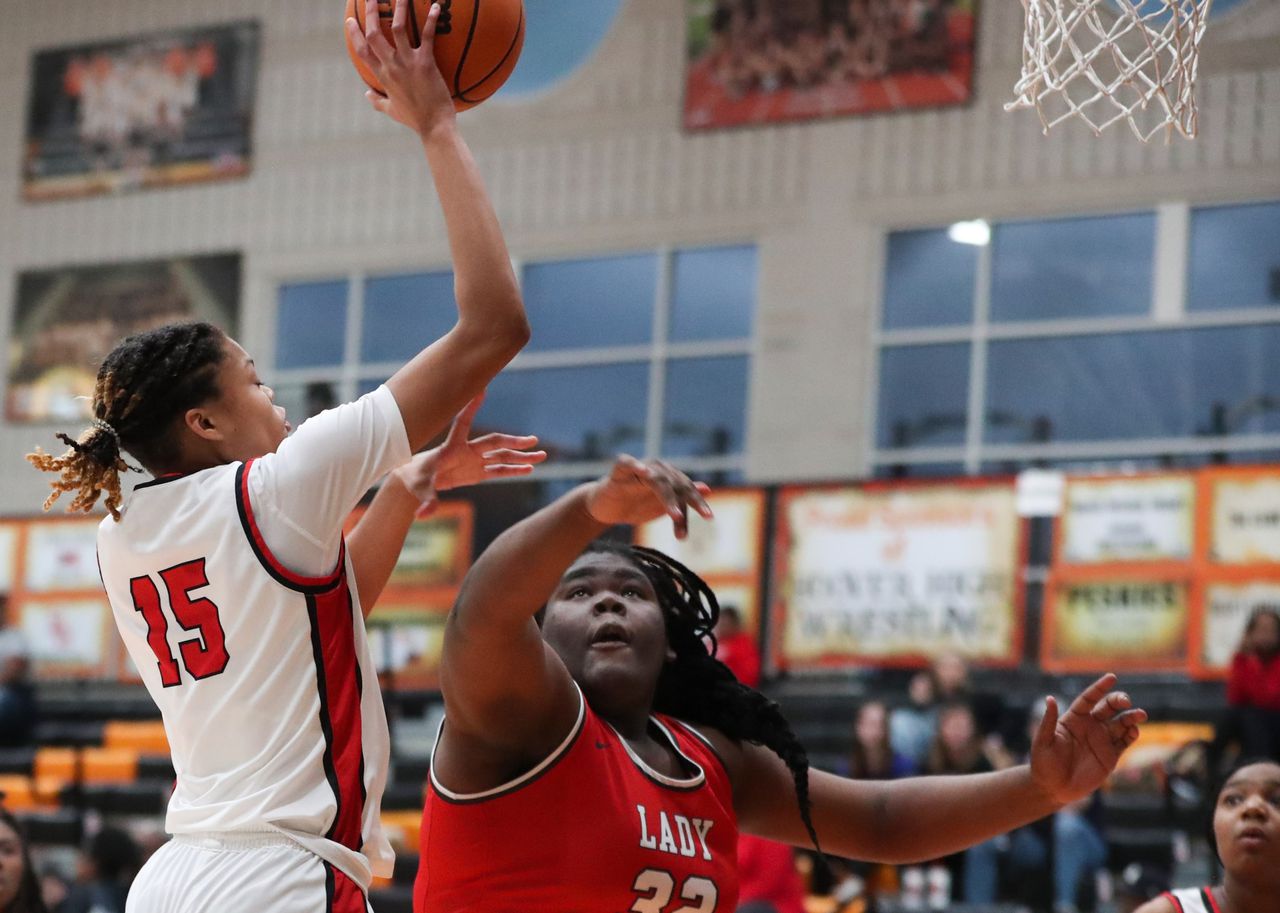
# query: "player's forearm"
{"type": "Point", "coordinates": [375, 544]}
{"type": "Point", "coordinates": [488, 295]}
{"type": "Point", "coordinates": [517, 574]}
{"type": "Point", "coordinates": [923, 818]}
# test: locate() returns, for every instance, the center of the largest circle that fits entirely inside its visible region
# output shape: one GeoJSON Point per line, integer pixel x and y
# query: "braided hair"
{"type": "Point", "coordinates": [144, 385]}
{"type": "Point", "coordinates": [698, 688]}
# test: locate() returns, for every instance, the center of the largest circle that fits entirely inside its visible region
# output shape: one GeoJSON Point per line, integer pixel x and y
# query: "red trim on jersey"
{"type": "Point", "coordinates": [269, 560]}
{"type": "Point", "coordinates": [345, 895]}
{"type": "Point", "coordinates": [1207, 893]}
{"type": "Point", "coordinates": [339, 680]}
{"type": "Point", "coordinates": [1177, 904]}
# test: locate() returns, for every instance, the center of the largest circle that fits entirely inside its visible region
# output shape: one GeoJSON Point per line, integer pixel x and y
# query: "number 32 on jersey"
{"type": "Point", "coordinates": [204, 655]}
{"type": "Point", "coordinates": [656, 888]}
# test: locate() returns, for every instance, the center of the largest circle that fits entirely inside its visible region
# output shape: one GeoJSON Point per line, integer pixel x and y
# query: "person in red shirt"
{"type": "Point", "coordinates": [1253, 688]}
{"type": "Point", "coordinates": [595, 757]}
{"type": "Point", "coordinates": [736, 648]}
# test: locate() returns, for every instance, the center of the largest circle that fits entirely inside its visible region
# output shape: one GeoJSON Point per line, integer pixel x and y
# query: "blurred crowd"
{"type": "Point", "coordinates": [757, 46]}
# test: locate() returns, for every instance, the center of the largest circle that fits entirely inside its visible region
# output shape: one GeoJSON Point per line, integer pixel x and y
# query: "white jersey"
{"type": "Point", "coordinates": [254, 650]}
{"type": "Point", "coordinates": [1193, 900]}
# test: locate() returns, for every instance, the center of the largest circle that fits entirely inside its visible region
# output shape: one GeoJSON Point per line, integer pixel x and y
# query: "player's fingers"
{"type": "Point", "coordinates": [1090, 697]}
{"type": "Point", "coordinates": [510, 441]}
{"type": "Point", "coordinates": [400, 25]}
{"type": "Point", "coordinates": [429, 29]}
{"type": "Point", "coordinates": [377, 42]}
{"type": "Point", "coordinates": [506, 470]}
{"type": "Point", "coordinates": [461, 427]}
{"type": "Point", "coordinates": [522, 457]}
{"type": "Point", "coordinates": [379, 101]}
{"type": "Point", "coordinates": [1048, 724]}
{"type": "Point", "coordinates": [1111, 704]}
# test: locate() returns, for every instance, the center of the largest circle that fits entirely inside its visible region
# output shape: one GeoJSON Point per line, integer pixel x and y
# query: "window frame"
{"type": "Point", "coordinates": [657, 354]}
{"type": "Point", "coordinates": [1168, 311]}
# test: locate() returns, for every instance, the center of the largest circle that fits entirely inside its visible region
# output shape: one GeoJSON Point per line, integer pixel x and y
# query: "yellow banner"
{"type": "Point", "coordinates": [1131, 624]}
{"type": "Point", "coordinates": [1245, 527]}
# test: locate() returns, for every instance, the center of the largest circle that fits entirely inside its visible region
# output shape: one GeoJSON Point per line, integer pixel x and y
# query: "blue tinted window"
{"type": "Point", "coordinates": [1136, 385]}
{"type": "Point", "coordinates": [1235, 257]}
{"type": "Point", "coordinates": [705, 412]}
{"type": "Point", "coordinates": [405, 314]}
{"type": "Point", "coordinates": [311, 325]}
{"type": "Point", "coordinates": [1071, 268]}
{"type": "Point", "coordinates": [575, 304]}
{"type": "Point", "coordinates": [928, 280]}
{"type": "Point", "coordinates": [924, 395]}
{"type": "Point", "coordinates": [713, 293]}
{"type": "Point", "coordinates": [578, 413]}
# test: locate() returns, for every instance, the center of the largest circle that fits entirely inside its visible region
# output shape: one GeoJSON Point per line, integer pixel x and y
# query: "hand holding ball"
{"type": "Point", "coordinates": [476, 42]}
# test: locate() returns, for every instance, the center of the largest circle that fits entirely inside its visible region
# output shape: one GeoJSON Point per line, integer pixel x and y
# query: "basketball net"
{"type": "Point", "coordinates": [1103, 61]}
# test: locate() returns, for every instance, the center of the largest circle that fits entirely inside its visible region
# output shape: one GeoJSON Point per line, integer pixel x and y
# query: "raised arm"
{"type": "Point", "coordinates": [508, 697]}
{"type": "Point", "coordinates": [492, 326]}
{"type": "Point", "coordinates": [411, 492]}
{"type": "Point", "coordinates": [922, 818]}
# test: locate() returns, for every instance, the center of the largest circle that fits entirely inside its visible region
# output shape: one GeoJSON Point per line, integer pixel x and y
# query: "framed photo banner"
{"type": "Point", "coordinates": [896, 576]}
{"type": "Point", "coordinates": [1135, 519]}
{"type": "Point", "coordinates": [142, 111]}
{"type": "Point", "coordinates": [1120, 624]}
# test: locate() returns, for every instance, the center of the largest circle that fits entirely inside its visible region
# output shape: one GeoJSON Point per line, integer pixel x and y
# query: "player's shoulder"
{"type": "Point", "coordinates": [727, 750]}
{"type": "Point", "coordinates": [1161, 904]}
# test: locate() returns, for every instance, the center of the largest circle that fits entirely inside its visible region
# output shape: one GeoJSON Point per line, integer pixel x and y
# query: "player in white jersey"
{"type": "Point", "coordinates": [228, 575]}
{"type": "Point", "coordinates": [1245, 834]}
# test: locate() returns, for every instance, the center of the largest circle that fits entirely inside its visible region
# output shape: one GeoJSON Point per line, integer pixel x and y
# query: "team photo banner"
{"type": "Point", "coordinates": [882, 577]}
{"type": "Point", "coordinates": [1244, 516]}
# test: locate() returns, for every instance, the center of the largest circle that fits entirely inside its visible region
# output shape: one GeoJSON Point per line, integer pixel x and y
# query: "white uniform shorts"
{"type": "Point", "coordinates": [241, 873]}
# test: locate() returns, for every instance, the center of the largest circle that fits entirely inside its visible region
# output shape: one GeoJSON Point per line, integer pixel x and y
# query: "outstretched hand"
{"type": "Point", "coordinates": [1074, 753]}
{"type": "Point", "coordinates": [416, 93]}
{"type": "Point", "coordinates": [637, 491]}
{"type": "Point", "coordinates": [459, 462]}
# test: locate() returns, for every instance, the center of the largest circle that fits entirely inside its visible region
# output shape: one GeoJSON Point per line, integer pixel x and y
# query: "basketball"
{"type": "Point", "coordinates": [478, 43]}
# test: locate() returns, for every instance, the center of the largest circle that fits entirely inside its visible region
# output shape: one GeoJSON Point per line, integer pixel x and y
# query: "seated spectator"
{"type": "Point", "coordinates": [108, 864]}
{"type": "Point", "coordinates": [912, 728]}
{"type": "Point", "coordinates": [1079, 851]}
{"type": "Point", "coordinates": [736, 648]}
{"type": "Point", "coordinates": [872, 757]}
{"type": "Point", "coordinates": [19, 883]}
{"type": "Point", "coordinates": [18, 712]}
{"type": "Point", "coordinates": [959, 749]}
{"type": "Point", "coordinates": [1253, 688]}
{"type": "Point", "coordinates": [955, 685]}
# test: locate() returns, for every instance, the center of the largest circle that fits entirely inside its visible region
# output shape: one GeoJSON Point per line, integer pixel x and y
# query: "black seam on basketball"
{"type": "Point", "coordinates": [466, 49]}
{"type": "Point", "coordinates": [514, 38]}
{"type": "Point", "coordinates": [413, 24]}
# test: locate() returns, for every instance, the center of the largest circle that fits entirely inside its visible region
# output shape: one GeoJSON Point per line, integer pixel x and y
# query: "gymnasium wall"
{"type": "Point", "coordinates": [601, 164]}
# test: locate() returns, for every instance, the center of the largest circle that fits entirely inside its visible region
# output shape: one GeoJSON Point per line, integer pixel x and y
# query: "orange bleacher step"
{"type": "Point", "coordinates": [403, 829]}
{"type": "Point", "coordinates": [143, 737]}
{"type": "Point", "coordinates": [97, 765]}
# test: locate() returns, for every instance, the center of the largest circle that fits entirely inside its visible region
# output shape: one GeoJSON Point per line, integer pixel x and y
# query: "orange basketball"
{"type": "Point", "coordinates": [478, 42]}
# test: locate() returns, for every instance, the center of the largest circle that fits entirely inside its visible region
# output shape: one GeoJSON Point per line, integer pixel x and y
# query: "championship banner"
{"type": "Point", "coordinates": [895, 577]}
{"type": "Point", "coordinates": [1244, 517]}
{"type": "Point", "coordinates": [1109, 625]}
{"type": "Point", "coordinates": [1138, 519]}
{"type": "Point", "coordinates": [1227, 607]}
{"type": "Point", "coordinates": [727, 552]}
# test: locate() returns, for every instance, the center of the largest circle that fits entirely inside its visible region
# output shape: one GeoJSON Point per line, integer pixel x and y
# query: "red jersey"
{"type": "Point", "coordinates": [592, 829]}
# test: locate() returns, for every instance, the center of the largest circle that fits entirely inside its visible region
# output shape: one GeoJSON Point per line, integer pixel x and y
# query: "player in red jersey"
{"type": "Point", "coordinates": [1245, 833]}
{"type": "Point", "coordinates": [603, 760]}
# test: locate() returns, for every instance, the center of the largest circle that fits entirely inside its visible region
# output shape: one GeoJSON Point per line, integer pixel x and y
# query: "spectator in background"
{"type": "Point", "coordinates": [959, 748]}
{"type": "Point", "coordinates": [108, 863]}
{"type": "Point", "coordinates": [913, 728]}
{"type": "Point", "coordinates": [873, 757]}
{"type": "Point", "coordinates": [17, 696]}
{"type": "Point", "coordinates": [1078, 848]}
{"type": "Point", "coordinates": [955, 685]}
{"type": "Point", "coordinates": [736, 648]}
{"type": "Point", "coordinates": [1253, 688]}
{"type": "Point", "coordinates": [19, 884]}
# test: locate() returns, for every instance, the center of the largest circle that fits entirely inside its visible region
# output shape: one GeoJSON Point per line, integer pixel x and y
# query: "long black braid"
{"type": "Point", "coordinates": [698, 688]}
{"type": "Point", "coordinates": [145, 384]}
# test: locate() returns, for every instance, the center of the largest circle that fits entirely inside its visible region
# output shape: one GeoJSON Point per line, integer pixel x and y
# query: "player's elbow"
{"type": "Point", "coordinates": [500, 336]}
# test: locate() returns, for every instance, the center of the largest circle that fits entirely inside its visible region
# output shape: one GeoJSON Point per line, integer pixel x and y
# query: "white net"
{"type": "Point", "coordinates": [1104, 61]}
